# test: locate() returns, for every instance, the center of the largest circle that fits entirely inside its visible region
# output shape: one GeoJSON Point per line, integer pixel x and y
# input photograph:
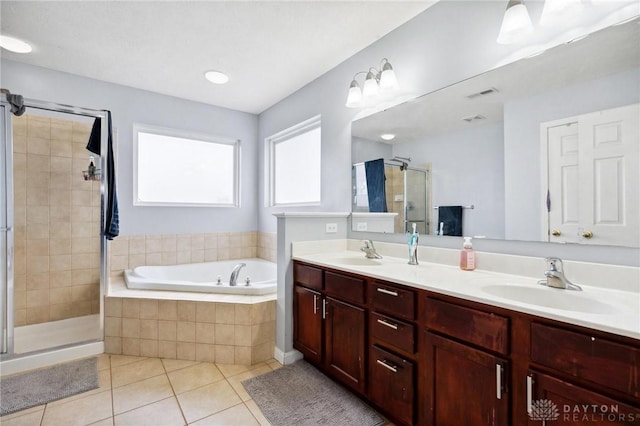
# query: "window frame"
{"type": "Point", "coordinates": [195, 136]}
{"type": "Point", "coordinates": [270, 160]}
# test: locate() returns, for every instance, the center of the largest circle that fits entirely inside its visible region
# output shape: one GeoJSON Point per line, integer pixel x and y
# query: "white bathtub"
{"type": "Point", "coordinates": [203, 277]}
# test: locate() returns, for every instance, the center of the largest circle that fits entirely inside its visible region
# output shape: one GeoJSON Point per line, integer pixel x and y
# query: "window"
{"type": "Point", "coordinates": [173, 167]}
{"type": "Point", "coordinates": [294, 165]}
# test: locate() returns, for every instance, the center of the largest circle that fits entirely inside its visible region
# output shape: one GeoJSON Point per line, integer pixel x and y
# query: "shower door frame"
{"type": "Point", "coordinates": [7, 290]}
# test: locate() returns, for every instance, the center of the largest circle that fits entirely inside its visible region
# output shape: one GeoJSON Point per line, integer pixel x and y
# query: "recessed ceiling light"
{"type": "Point", "coordinates": [14, 45]}
{"type": "Point", "coordinates": [387, 136]}
{"type": "Point", "coordinates": [216, 77]}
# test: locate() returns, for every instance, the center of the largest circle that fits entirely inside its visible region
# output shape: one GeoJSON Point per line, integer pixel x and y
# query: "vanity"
{"type": "Point", "coordinates": [433, 345]}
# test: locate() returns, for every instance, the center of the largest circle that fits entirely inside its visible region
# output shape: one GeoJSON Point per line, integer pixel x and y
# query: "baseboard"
{"type": "Point", "coordinates": [285, 358]}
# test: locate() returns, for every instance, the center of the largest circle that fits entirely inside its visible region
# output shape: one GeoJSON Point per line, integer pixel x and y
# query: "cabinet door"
{"type": "Point", "coordinates": [463, 385]}
{"type": "Point", "coordinates": [344, 344]}
{"type": "Point", "coordinates": [391, 384]}
{"type": "Point", "coordinates": [562, 403]}
{"type": "Point", "coordinates": [307, 323]}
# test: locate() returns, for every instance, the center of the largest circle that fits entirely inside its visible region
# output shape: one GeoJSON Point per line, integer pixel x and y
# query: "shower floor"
{"type": "Point", "coordinates": [36, 337]}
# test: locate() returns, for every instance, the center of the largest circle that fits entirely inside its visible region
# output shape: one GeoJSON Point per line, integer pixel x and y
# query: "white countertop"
{"type": "Point", "coordinates": [607, 309]}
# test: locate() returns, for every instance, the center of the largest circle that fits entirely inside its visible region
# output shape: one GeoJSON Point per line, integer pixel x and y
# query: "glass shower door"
{"type": "Point", "coordinates": [5, 227]}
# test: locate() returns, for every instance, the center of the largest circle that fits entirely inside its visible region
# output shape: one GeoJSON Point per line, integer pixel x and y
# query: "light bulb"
{"type": "Point", "coordinates": [516, 24]}
{"type": "Point", "coordinates": [354, 98]}
{"type": "Point", "coordinates": [370, 89]}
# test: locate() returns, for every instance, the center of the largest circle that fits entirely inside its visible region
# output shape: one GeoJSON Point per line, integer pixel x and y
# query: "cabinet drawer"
{"type": "Point", "coordinates": [601, 361]}
{"type": "Point", "coordinates": [392, 300]}
{"type": "Point", "coordinates": [343, 287]}
{"type": "Point", "coordinates": [393, 332]}
{"type": "Point", "coordinates": [391, 384]}
{"type": "Point", "coordinates": [484, 329]}
{"type": "Point", "coordinates": [307, 276]}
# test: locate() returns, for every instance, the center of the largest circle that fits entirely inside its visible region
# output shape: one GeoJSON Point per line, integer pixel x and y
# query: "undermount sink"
{"type": "Point", "coordinates": [356, 261]}
{"type": "Point", "coordinates": [567, 300]}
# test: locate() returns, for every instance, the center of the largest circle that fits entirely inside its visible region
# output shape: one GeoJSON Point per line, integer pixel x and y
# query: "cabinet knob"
{"type": "Point", "coordinates": [587, 234]}
{"type": "Point", "coordinates": [556, 233]}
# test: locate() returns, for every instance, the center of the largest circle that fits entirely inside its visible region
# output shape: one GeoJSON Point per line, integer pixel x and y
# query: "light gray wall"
{"type": "Point", "coordinates": [449, 42]}
{"type": "Point", "coordinates": [467, 168]}
{"type": "Point", "coordinates": [524, 196]}
{"type": "Point", "coordinates": [365, 150]}
{"type": "Point", "coordinates": [129, 106]}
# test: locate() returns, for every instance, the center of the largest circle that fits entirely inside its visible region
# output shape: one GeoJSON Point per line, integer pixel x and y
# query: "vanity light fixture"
{"type": "Point", "coordinates": [376, 84]}
{"type": "Point", "coordinates": [14, 45]}
{"type": "Point", "coordinates": [216, 77]}
{"type": "Point", "coordinates": [516, 24]}
{"type": "Point", "coordinates": [387, 136]}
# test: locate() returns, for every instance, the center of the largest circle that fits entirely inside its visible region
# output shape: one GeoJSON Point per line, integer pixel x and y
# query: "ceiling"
{"type": "Point", "coordinates": [269, 49]}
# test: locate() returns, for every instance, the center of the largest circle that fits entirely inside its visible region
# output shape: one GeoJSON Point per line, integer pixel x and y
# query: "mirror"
{"type": "Point", "coordinates": [488, 141]}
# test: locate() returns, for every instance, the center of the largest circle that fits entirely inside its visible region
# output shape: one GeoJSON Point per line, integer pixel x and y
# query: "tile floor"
{"type": "Point", "coordinates": [141, 391]}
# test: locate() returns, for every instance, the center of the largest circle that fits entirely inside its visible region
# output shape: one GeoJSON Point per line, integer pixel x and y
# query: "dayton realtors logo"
{"type": "Point", "coordinates": [544, 410]}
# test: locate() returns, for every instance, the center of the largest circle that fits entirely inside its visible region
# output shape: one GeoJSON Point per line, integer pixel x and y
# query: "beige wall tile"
{"type": "Point", "coordinates": [37, 264]}
{"type": "Point", "coordinates": [262, 352]}
{"type": "Point", "coordinates": [205, 352]}
{"type": "Point", "coordinates": [167, 349]}
{"type": "Point", "coordinates": [38, 281]}
{"type": "Point", "coordinates": [20, 300]}
{"type": "Point", "coordinates": [167, 330]}
{"type": "Point", "coordinates": [130, 346]}
{"type": "Point", "coordinates": [210, 255]}
{"type": "Point", "coordinates": [169, 243]}
{"type": "Point", "coordinates": [186, 351]}
{"type": "Point", "coordinates": [183, 242]}
{"type": "Point", "coordinates": [60, 295]}
{"type": "Point", "coordinates": [131, 308]}
{"type": "Point", "coordinates": [206, 312]}
{"type": "Point", "coordinates": [225, 354]}
{"type": "Point", "coordinates": [38, 146]}
{"type": "Point", "coordinates": [183, 257]}
{"type": "Point", "coordinates": [82, 260]}
{"type": "Point", "coordinates": [119, 246]}
{"type": "Point", "coordinates": [225, 313]}
{"type": "Point", "coordinates": [82, 276]}
{"type": "Point", "coordinates": [61, 311]}
{"type": "Point", "coordinates": [61, 148]}
{"type": "Point", "coordinates": [263, 332]}
{"type": "Point", "coordinates": [131, 327]}
{"type": "Point", "coordinates": [61, 262]}
{"type": "Point", "coordinates": [185, 332]}
{"type": "Point", "coordinates": [113, 327]}
{"type": "Point", "coordinates": [168, 310]}
{"type": "Point", "coordinates": [153, 259]}
{"type": "Point", "coordinates": [37, 298]}
{"type": "Point", "coordinates": [148, 309]}
{"type": "Point", "coordinates": [243, 335]}
{"type": "Point", "coordinates": [153, 244]}
{"type": "Point", "coordinates": [137, 245]}
{"type": "Point", "coordinates": [197, 256]}
{"type": "Point", "coordinates": [224, 334]}
{"type": "Point", "coordinates": [242, 355]}
{"type": "Point", "coordinates": [59, 278]}
{"type": "Point", "coordinates": [168, 258]}
{"type": "Point", "coordinates": [20, 317]}
{"type": "Point", "coordinates": [36, 315]}
{"type": "Point", "coordinates": [186, 310]}
{"type": "Point", "coordinates": [57, 247]}
{"type": "Point", "coordinates": [148, 348]}
{"type": "Point", "coordinates": [210, 241]}
{"type": "Point", "coordinates": [242, 314]}
{"type": "Point", "coordinates": [205, 333]}
{"type": "Point", "coordinates": [37, 231]}
{"type": "Point", "coordinates": [197, 241]}
{"type": "Point", "coordinates": [113, 345]}
{"type": "Point", "coordinates": [136, 260]}
{"type": "Point", "coordinates": [149, 329]}
{"type": "Point", "coordinates": [81, 308]}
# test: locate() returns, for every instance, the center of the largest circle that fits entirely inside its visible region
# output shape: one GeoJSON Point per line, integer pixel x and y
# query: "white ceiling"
{"type": "Point", "coordinates": [269, 49]}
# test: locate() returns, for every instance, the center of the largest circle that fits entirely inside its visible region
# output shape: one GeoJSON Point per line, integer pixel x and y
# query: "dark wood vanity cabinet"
{"type": "Point", "coordinates": [429, 359]}
{"type": "Point", "coordinates": [329, 326]}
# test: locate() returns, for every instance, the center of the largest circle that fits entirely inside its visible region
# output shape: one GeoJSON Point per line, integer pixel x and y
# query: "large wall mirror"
{"type": "Point", "coordinates": [543, 149]}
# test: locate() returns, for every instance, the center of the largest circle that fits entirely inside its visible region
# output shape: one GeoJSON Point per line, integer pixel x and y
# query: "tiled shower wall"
{"type": "Point", "coordinates": [57, 222]}
{"type": "Point", "coordinates": [128, 252]}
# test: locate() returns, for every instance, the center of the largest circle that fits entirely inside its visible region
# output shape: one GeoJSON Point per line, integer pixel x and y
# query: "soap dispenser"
{"type": "Point", "coordinates": [467, 256]}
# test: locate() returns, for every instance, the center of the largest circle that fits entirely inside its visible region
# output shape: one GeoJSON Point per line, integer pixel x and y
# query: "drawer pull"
{"type": "Point", "coordinates": [389, 292]}
{"type": "Point", "coordinates": [498, 381]}
{"type": "Point", "coordinates": [388, 324]}
{"type": "Point", "coordinates": [529, 394]}
{"type": "Point", "coordinates": [388, 365]}
{"type": "Point", "coordinates": [315, 304]}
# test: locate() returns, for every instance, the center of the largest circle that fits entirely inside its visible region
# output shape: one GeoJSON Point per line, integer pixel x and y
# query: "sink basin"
{"type": "Point", "coordinates": [356, 261]}
{"type": "Point", "coordinates": [566, 300]}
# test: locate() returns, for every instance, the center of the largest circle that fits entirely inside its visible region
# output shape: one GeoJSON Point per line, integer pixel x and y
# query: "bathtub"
{"type": "Point", "coordinates": [203, 277]}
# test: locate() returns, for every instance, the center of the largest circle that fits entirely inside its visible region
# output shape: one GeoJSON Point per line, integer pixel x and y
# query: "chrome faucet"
{"type": "Point", "coordinates": [370, 250]}
{"type": "Point", "coordinates": [234, 274]}
{"type": "Point", "coordinates": [555, 276]}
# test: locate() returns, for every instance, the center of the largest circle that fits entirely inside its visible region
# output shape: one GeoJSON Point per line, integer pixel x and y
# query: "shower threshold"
{"type": "Point", "coordinates": [52, 334]}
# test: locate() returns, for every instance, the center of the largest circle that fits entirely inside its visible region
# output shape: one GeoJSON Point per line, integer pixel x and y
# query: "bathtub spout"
{"type": "Point", "coordinates": [234, 274]}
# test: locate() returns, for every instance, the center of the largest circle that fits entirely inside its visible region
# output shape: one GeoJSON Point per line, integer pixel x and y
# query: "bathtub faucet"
{"type": "Point", "coordinates": [234, 274]}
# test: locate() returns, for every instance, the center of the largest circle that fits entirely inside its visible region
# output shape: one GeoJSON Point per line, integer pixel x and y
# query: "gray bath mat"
{"type": "Point", "coordinates": [38, 387]}
{"type": "Point", "coordinates": [298, 394]}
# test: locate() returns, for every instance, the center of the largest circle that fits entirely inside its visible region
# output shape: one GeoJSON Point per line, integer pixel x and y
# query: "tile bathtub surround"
{"type": "Point", "coordinates": [127, 252]}
{"type": "Point", "coordinates": [229, 333]}
{"type": "Point", "coordinates": [57, 221]}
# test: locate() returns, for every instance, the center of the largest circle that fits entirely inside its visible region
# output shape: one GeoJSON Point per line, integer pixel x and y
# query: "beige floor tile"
{"type": "Point", "coordinates": [230, 370]}
{"type": "Point", "coordinates": [273, 364]}
{"type": "Point", "coordinates": [176, 364]}
{"type": "Point", "coordinates": [82, 411]}
{"type": "Point", "coordinates": [119, 360]}
{"type": "Point", "coordinates": [105, 422]}
{"type": "Point", "coordinates": [236, 380]}
{"type": "Point", "coordinates": [194, 377]}
{"type": "Point", "coordinates": [136, 371]}
{"type": "Point", "coordinates": [39, 409]}
{"type": "Point", "coordinates": [253, 407]}
{"type": "Point", "coordinates": [104, 362]}
{"type": "Point", "coordinates": [161, 413]}
{"type": "Point", "coordinates": [31, 419]}
{"type": "Point", "coordinates": [238, 415]}
{"type": "Point", "coordinates": [141, 393]}
{"type": "Point", "coordinates": [210, 399]}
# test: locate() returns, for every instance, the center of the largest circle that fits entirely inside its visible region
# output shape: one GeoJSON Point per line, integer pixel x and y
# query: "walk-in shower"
{"type": "Point", "coordinates": [51, 245]}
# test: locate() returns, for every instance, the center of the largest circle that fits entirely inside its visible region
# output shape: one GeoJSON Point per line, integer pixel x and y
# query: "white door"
{"type": "Point", "coordinates": [593, 178]}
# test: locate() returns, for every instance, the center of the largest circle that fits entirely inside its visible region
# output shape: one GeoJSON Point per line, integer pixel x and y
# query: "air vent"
{"type": "Point", "coordinates": [473, 118]}
{"type": "Point", "coordinates": [484, 92]}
